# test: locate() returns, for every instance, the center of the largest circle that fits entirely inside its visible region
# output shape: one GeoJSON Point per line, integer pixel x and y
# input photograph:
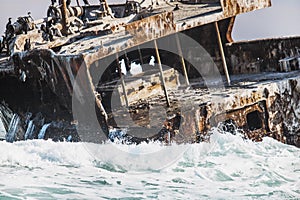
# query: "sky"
{"type": "Point", "coordinates": [282, 19]}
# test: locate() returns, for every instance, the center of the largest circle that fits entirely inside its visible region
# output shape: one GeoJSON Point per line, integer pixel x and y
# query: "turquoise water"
{"type": "Point", "coordinates": [226, 168]}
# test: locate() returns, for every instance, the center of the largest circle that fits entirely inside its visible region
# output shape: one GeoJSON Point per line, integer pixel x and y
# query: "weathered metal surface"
{"type": "Point", "coordinates": [235, 7]}
{"type": "Point", "coordinates": [138, 87]}
{"type": "Point", "coordinates": [5, 67]}
{"type": "Point", "coordinates": [64, 18]}
{"type": "Point", "coordinates": [229, 30]}
{"type": "Point", "coordinates": [58, 72]}
{"type": "Point", "coordinates": [263, 55]}
{"type": "Point", "coordinates": [268, 108]}
{"type": "Point", "coordinates": [255, 109]}
{"type": "Point", "coordinates": [162, 78]}
{"type": "Point", "coordinates": [122, 81]}
{"type": "Point", "coordinates": [187, 82]}
{"type": "Point", "coordinates": [222, 53]}
{"type": "Point", "coordinates": [137, 32]}
{"type": "Point", "coordinates": [152, 27]}
{"type": "Point", "coordinates": [166, 22]}
{"type": "Point", "coordinates": [169, 22]}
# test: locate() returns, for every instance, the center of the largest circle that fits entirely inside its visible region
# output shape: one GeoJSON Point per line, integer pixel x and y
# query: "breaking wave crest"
{"type": "Point", "coordinates": [228, 166]}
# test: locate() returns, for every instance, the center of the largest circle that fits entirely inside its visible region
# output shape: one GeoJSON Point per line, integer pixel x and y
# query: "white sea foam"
{"type": "Point", "coordinates": [227, 167]}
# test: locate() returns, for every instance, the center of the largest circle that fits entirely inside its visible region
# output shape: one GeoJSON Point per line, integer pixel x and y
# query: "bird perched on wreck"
{"type": "Point", "coordinates": [53, 2]}
{"type": "Point", "coordinates": [27, 45]}
{"type": "Point", "coordinates": [176, 7]}
{"type": "Point", "coordinates": [1, 46]}
{"type": "Point", "coordinates": [86, 2]}
{"type": "Point", "coordinates": [29, 16]}
{"type": "Point", "coordinates": [8, 23]}
{"type": "Point", "coordinates": [68, 2]}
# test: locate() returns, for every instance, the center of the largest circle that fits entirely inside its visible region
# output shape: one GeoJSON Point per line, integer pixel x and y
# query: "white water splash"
{"type": "Point", "coordinates": [13, 127]}
{"type": "Point", "coordinates": [42, 132]}
{"type": "Point", "coordinates": [2, 129]}
{"type": "Point", "coordinates": [233, 168]}
{"type": "Point", "coordinates": [29, 131]}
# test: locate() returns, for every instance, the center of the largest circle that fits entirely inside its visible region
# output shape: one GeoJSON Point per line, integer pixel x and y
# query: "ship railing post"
{"type": "Point", "coordinates": [97, 97]}
{"type": "Point", "coordinates": [169, 137]}
{"type": "Point", "coordinates": [161, 74]}
{"type": "Point", "coordinates": [222, 53]}
{"type": "Point", "coordinates": [127, 61]}
{"type": "Point", "coordinates": [122, 80]}
{"type": "Point", "coordinates": [187, 82]}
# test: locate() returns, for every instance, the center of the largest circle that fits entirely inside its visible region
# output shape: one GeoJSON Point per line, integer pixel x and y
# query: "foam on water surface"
{"type": "Point", "coordinates": [226, 167]}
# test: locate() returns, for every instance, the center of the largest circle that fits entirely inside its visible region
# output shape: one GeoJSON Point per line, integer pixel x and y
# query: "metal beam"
{"type": "Point", "coordinates": [187, 82]}
{"type": "Point", "coordinates": [127, 61]}
{"type": "Point", "coordinates": [222, 53]}
{"type": "Point", "coordinates": [229, 30]}
{"type": "Point", "coordinates": [122, 80]}
{"type": "Point", "coordinates": [64, 16]}
{"type": "Point", "coordinates": [97, 98]}
{"type": "Point", "coordinates": [163, 85]}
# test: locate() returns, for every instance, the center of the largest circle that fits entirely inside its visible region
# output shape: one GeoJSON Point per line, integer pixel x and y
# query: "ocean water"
{"type": "Point", "coordinates": [226, 168]}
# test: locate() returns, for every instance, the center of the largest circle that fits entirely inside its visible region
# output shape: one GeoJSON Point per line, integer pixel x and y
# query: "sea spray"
{"type": "Point", "coordinates": [30, 130]}
{"type": "Point", "coordinates": [227, 166]}
{"type": "Point", "coordinates": [42, 132]}
{"type": "Point", "coordinates": [2, 129]}
{"type": "Point", "coordinates": [13, 127]}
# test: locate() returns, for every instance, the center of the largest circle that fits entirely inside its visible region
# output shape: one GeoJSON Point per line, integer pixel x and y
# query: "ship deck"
{"type": "Point", "coordinates": [187, 16]}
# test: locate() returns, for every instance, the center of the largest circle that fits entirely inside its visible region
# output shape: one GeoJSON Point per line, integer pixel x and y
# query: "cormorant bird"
{"type": "Point", "coordinates": [53, 2]}
{"type": "Point", "coordinates": [1, 47]}
{"type": "Point", "coordinates": [29, 16]}
{"type": "Point", "coordinates": [86, 2]}
{"type": "Point", "coordinates": [176, 7]}
{"type": "Point", "coordinates": [68, 2]}
{"type": "Point", "coordinates": [8, 23]}
{"type": "Point", "coordinates": [27, 45]}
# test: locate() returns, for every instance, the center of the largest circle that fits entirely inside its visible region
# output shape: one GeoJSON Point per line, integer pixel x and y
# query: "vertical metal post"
{"type": "Point", "coordinates": [187, 82]}
{"type": "Point", "coordinates": [229, 30]}
{"type": "Point", "coordinates": [169, 137]}
{"type": "Point", "coordinates": [122, 80]}
{"type": "Point", "coordinates": [127, 62]}
{"type": "Point", "coordinates": [141, 56]}
{"type": "Point", "coordinates": [98, 101]}
{"type": "Point", "coordinates": [222, 53]}
{"type": "Point", "coordinates": [161, 74]}
{"type": "Point", "coordinates": [64, 16]}
{"type": "Point", "coordinates": [106, 8]}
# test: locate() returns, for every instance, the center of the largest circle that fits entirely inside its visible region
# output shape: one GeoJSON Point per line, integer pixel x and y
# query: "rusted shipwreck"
{"type": "Point", "coordinates": [61, 76]}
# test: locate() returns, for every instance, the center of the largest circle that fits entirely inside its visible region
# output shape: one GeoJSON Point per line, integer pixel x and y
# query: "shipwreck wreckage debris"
{"type": "Point", "coordinates": [72, 58]}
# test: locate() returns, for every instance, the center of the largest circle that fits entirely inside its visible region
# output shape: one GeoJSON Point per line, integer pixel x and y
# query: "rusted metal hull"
{"type": "Point", "coordinates": [77, 67]}
{"type": "Point", "coordinates": [167, 23]}
{"type": "Point", "coordinates": [262, 102]}
{"type": "Point", "coordinates": [266, 109]}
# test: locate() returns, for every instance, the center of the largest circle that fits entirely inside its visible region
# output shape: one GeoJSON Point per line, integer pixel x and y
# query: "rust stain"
{"type": "Point", "coordinates": [149, 27]}
{"type": "Point", "coordinates": [235, 7]}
